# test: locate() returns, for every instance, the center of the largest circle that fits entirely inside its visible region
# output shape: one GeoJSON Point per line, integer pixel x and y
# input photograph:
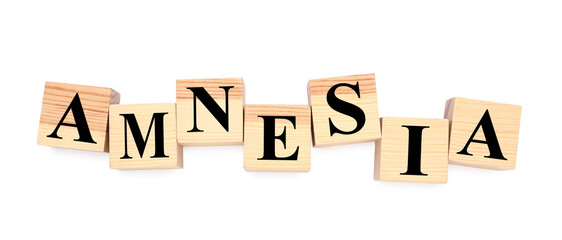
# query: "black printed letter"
{"type": "Point", "coordinates": [158, 120]}
{"type": "Point", "coordinates": [345, 108]}
{"type": "Point", "coordinates": [489, 134]}
{"type": "Point", "coordinates": [414, 150]}
{"type": "Point", "coordinates": [80, 122]}
{"type": "Point", "coordinates": [211, 105]}
{"type": "Point", "coordinates": [269, 138]}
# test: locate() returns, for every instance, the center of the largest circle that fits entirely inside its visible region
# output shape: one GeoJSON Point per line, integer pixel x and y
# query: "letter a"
{"type": "Point", "coordinates": [489, 134]}
{"type": "Point", "coordinates": [80, 122]}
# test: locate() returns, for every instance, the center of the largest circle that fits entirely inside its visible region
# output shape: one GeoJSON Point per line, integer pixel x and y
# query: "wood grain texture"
{"type": "Point", "coordinates": [295, 137]}
{"type": "Point", "coordinates": [391, 156]}
{"type": "Point", "coordinates": [143, 114]}
{"type": "Point", "coordinates": [95, 103]}
{"type": "Point", "coordinates": [322, 112]}
{"type": "Point", "coordinates": [213, 132]}
{"type": "Point", "coordinates": [465, 114]}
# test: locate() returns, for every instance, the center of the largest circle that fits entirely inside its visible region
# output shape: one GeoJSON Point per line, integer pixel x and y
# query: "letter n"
{"type": "Point", "coordinates": [213, 107]}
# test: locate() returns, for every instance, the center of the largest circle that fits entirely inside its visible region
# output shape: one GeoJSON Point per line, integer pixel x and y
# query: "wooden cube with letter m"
{"type": "Point", "coordinates": [143, 136]}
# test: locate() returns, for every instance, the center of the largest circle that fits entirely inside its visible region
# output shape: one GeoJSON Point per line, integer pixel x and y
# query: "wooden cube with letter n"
{"type": "Point", "coordinates": [210, 111]}
{"type": "Point", "coordinates": [344, 110]}
{"type": "Point", "coordinates": [277, 138]}
{"type": "Point", "coordinates": [483, 134]}
{"type": "Point", "coordinates": [76, 116]}
{"type": "Point", "coordinates": [143, 136]}
{"type": "Point", "coordinates": [412, 150]}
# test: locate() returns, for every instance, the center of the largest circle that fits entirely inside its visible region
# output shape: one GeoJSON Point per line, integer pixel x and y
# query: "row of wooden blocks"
{"type": "Point", "coordinates": [341, 110]}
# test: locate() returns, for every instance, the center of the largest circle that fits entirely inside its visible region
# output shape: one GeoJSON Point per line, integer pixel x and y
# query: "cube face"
{"type": "Point", "coordinates": [330, 99]}
{"type": "Point", "coordinates": [495, 123]}
{"type": "Point", "coordinates": [266, 126]}
{"type": "Point", "coordinates": [201, 127]}
{"type": "Point", "coordinates": [401, 156]}
{"type": "Point", "coordinates": [151, 125]}
{"type": "Point", "coordinates": [75, 116]}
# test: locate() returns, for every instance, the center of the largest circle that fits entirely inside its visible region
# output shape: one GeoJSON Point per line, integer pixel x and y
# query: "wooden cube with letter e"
{"type": "Point", "coordinates": [210, 111]}
{"type": "Point", "coordinates": [344, 110]}
{"type": "Point", "coordinates": [483, 134]}
{"type": "Point", "coordinates": [412, 150]}
{"type": "Point", "coordinates": [277, 138]}
{"type": "Point", "coordinates": [76, 116]}
{"type": "Point", "coordinates": [143, 136]}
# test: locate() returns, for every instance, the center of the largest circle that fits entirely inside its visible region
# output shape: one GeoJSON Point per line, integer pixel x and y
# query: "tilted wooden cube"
{"type": "Point", "coordinates": [344, 110]}
{"type": "Point", "coordinates": [210, 111]}
{"type": "Point", "coordinates": [143, 136]}
{"type": "Point", "coordinates": [277, 138]}
{"type": "Point", "coordinates": [75, 116]}
{"type": "Point", "coordinates": [412, 150]}
{"type": "Point", "coordinates": [483, 134]}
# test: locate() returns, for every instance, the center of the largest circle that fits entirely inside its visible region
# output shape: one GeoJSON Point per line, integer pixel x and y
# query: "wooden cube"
{"type": "Point", "coordinates": [412, 150]}
{"type": "Point", "coordinates": [75, 116]}
{"type": "Point", "coordinates": [210, 111]}
{"type": "Point", "coordinates": [344, 110]}
{"type": "Point", "coordinates": [483, 134]}
{"type": "Point", "coordinates": [277, 138]}
{"type": "Point", "coordinates": [143, 136]}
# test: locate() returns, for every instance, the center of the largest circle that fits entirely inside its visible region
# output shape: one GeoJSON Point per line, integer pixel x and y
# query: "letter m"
{"type": "Point", "coordinates": [158, 123]}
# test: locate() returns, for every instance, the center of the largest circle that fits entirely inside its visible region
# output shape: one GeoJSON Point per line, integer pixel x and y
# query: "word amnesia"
{"type": "Point", "coordinates": [341, 110]}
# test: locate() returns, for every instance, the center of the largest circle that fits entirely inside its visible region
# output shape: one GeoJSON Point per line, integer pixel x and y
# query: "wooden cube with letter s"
{"type": "Point", "coordinates": [412, 150]}
{"type": "Point", "coordinates": [483, 134]}
{"type": "Point", "coordinates": [344, 110]}
{"type": "Point", "coordinates": [143, 136]}
{"type": "Point", "coordinates": [277, 138]}
{"type": "Point", "coordinates": [76, 116]}
{"type": "Point", "coordinates": [210, 111]}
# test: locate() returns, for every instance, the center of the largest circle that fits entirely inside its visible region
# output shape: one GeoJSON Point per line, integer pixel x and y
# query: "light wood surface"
{"type": "Point", "coordinates": [391, 158]}
{"type": "Point", "coordinates": [295, 137]}
{"type": "Point", "coordinates": [322, 112]}
{"type": "Point", "coordinates": [143, 114]}
{"type": "Point", "coordinates": [213, 132]}
{"type": "Point", "coordinates": [95, 103]}
{"type": "Point", "coordinates": [465, 114]}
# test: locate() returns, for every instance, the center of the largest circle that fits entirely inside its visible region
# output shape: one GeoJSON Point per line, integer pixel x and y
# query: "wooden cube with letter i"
{"type": "Point", "coordinates": [210, 111]}
{"type": "Point", "coordinates": [76, 116]}
{"type": "Point", "coordinates": [412, 150]}
{"type": "Point", "coordinates": [344, 110]}
{"type": "Point", "coordinates": [143, 136]}
{"type": "Point", "coordinates": [277, 138]}
{"type": "Point", "coordinates": [483, 134]}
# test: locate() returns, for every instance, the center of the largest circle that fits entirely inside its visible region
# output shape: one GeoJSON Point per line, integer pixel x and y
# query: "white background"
{"type": "Point", "coordinates": [422, 52]}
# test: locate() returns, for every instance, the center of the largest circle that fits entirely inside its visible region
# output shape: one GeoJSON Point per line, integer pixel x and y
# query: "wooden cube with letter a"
{"type": "Point", "coordinates": [344, 110]}
{"type": "Point", "coordinates": [75, 116]}
{"type": "Point", "coordinates": [483, 134]}
{"type": "Point", "coordinates": [143, 136]}
{"type": "Point", "coordinates": [210, 111]}
{"type": "Point", "coordinates": [277, 138]}
{"type": "Point", "coordinates": [412, 150]}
